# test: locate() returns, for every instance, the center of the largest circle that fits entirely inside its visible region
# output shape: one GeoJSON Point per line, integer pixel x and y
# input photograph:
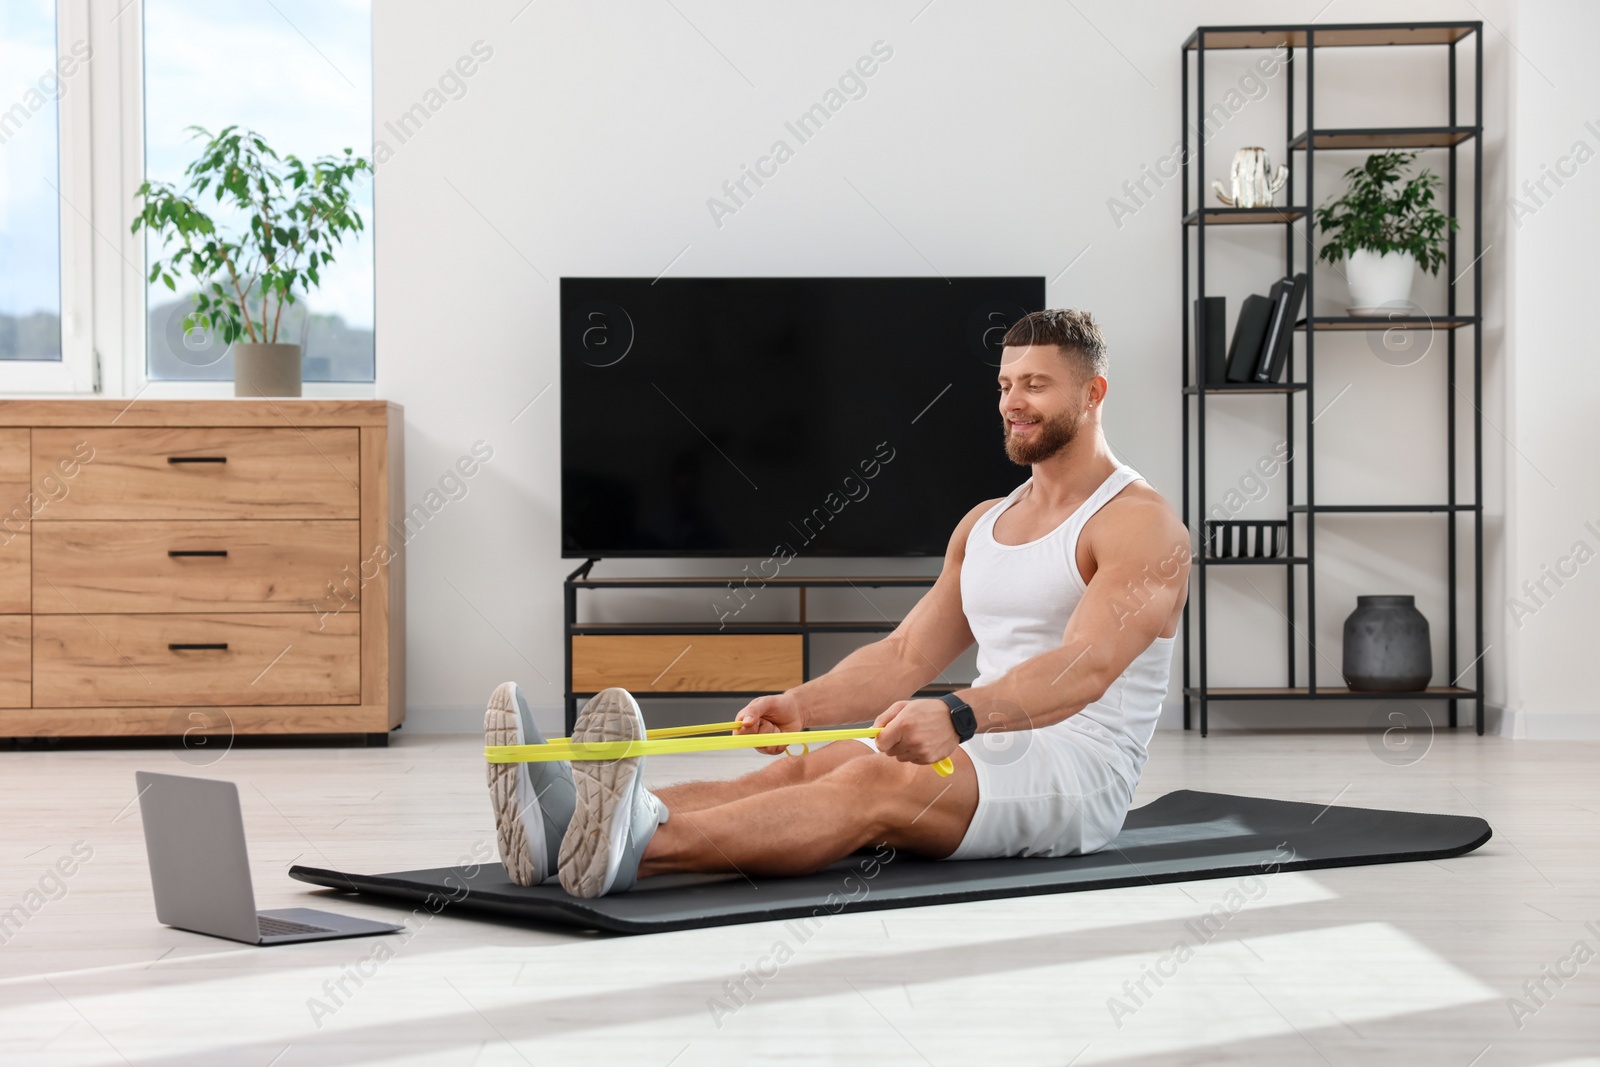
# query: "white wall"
{"type": "Point", "coordinates": [1553, 621]}
{"type": "Point", "coordinates": [991, 142]}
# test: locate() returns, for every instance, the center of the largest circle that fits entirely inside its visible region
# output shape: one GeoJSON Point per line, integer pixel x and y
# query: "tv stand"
{"type": "Point", "coordinates": [709, 658]}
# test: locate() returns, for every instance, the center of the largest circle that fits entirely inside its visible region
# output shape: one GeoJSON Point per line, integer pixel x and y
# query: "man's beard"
{"type": "Point", "coordinates": [1049, 437]}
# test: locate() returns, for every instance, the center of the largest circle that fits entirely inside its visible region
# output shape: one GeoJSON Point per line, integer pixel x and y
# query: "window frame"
{"type": "Point", "coordinates": [75, 371]}
{"type": "Point", "coordinates": [104, 308]}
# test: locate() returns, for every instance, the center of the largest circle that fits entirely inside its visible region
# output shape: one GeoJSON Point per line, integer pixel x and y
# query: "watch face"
{"type": "Point", "coordinates": [962, 716]}
{"type": "Point", "coordinates": [965, 722]}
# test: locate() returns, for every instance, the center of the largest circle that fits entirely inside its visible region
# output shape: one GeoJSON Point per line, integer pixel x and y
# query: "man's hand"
{"type": "Point", "coordinates": [917, 731]}
{"type": "Point", "coordinates": [779, 713]}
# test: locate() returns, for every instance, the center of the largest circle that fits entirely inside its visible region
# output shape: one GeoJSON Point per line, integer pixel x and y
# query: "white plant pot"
{"type": "Point", "coordinates": [1379, 281]}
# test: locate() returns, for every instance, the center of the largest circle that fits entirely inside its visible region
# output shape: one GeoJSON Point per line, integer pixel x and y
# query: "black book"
{"type": "Point", "coordinates": [1274, 355]}
{"type": "Point", "coordinates": [1255, 314]}
{"type": "Point", "coordinates": [1279, 295]}
{"type": "Point", "coordinates": [1211, 339]}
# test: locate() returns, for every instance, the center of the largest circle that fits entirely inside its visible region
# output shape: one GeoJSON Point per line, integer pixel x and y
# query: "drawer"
{"type": "Point", "coordinates": [130, 661]}
{"type": "Point", "coordinates": [14, 552]}
{"type": "Point", "coordinates": [16, 513]}
{"type": "Point", "coordinates": [667, 663]}
{"type": "Point", "coordinates": [16, 665]}
{"type": "Point", "coordinates": [200, 473]}
{"type": "Point", "coordinates": [200, 565]}
{"type": "Point", "coordinates": [14, 465]}
{"type": "Point", "coordinates": [15, 540]}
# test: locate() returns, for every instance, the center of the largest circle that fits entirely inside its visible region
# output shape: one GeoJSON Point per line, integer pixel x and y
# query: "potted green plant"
{"type": "Point", "coordinates": [1384, 230]}
{"type": "Point", "coordinates": [290, 217]}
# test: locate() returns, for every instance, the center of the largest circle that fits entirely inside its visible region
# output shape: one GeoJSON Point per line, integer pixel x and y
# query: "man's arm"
{"type": "Point", "coordinates": [930, 637]}
{"type": "Point", "coordinates": [1141, 554]}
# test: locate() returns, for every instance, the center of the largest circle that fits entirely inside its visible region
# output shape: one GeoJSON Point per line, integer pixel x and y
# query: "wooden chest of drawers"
{"type": "Point", "coordinates": [235, 565]}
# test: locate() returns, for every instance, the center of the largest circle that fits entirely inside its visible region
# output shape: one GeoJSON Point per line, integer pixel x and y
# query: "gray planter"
{"type": "Point", "coordinates": [266, 370]}
{"type": "Point", "coordinates": [1386, 646]}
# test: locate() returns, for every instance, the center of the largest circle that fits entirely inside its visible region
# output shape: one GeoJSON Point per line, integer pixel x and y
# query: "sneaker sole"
{"type": "Point", "coordinates": [510, 794]}
{"type": "Point", "coordinates": [593, 843]}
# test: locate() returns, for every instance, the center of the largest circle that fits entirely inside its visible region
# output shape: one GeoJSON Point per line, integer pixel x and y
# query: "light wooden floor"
{"type": "Point", "coordinates": [1407, 963]}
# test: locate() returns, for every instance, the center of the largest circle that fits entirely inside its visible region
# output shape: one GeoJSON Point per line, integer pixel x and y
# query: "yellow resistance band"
{"type": "Point", "coordinates": [670, 740]}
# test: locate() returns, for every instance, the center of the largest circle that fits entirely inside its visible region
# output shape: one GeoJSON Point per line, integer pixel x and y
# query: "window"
{"type": "Point", "coordinates": [30, 222]}
{"type": "Point", "coordinates": [298, 72]}
{"type": "Point", "coordinates": [93, 101]}
{"type": "Point", "coordinates": [44, 98]}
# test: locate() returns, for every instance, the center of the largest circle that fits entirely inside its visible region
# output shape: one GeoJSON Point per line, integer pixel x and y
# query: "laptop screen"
{"type": "Point", "coordinates": [199, 870]}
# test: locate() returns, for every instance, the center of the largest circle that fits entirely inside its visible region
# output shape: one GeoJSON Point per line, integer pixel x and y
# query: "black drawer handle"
{"type": "Point", "coordinates": [174, 646]}
{"type": "Point", "coordinates": [176, 552]}
{"type": "Point", "coordinates": [197, 459]}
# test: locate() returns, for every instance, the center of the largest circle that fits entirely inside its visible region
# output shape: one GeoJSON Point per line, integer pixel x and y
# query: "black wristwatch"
{"type": "Point", "coordinates": [961, 716]}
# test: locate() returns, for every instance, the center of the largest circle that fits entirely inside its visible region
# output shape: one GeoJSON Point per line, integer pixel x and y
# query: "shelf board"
{"type": "Point", "coordinates": [692, 628]}
{"type": "Point", "coordinates": [1240, 388]}
{"type": "Point", "coordinates": [1376, 509]}
{"type": "Point", "coordinates": [700, 581]}
{"type": "Point", "coordinates": [1326, 323]}
{"type": "Point", "coordinates": [1243, 216]}
{"type": "Point", "coordinates": [1300, 692]}
{"type": "Point", "coordinates": [707, 694]}
{"type": "Point", "coordinates": [1331, 36]}
{"type": "Point", "coordinates": [1234, 561]}
{"type": "Point", "coordinates": [1386, 137]}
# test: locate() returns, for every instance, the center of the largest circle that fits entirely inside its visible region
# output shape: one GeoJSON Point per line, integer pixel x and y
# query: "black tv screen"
{"type": "Point", "coordinates": [781, 417]}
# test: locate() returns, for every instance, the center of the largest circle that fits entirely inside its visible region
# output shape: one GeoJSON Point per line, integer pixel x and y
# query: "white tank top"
{"type": "Point", "coordinates": [1018, 598]}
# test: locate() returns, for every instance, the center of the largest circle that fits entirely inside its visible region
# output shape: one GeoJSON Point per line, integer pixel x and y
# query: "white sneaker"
{"type": "Point", "coordinates": [532, 802]}
{"type": "Point", "coordinates": [615, 816]}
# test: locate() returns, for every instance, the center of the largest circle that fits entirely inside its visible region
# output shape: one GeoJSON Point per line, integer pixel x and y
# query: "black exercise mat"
{"type": "Point", "coordinates": [1181, 836]}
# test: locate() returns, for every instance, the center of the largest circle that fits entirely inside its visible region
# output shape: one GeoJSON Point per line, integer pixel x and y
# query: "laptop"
{"type": "Point", "coordinates": [194, 835]}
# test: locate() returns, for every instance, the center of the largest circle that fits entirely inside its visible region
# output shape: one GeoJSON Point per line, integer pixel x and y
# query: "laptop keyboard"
{"type": "Point", "coordinates": [271, 927]}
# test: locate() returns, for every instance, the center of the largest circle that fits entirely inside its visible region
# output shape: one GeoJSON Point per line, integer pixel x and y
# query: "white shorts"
{"type": "Point", "coordinates": [1044, 792]}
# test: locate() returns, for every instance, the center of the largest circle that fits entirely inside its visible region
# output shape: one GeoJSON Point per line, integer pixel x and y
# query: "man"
{"type": "Point", "coordinates": [1072, 586]}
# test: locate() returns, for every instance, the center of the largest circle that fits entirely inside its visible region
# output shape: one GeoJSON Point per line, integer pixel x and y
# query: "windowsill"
{"type": "Point", "coordinates": [198, 391]}
{"type": "Point", "coordinates": [169, 390]}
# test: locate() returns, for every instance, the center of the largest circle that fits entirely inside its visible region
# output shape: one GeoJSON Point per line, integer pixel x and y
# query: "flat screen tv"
{"type": "Point", "coordinates": [781, 417]}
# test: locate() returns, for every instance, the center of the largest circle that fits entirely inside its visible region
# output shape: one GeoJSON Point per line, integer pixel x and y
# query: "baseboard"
{"type": "Point", "coordinates": [1261, 715]}
{"type": "Point", "coordinates": [1342, 715]}
{"type": "Point", "coordinates": [550, 718]}
{"type": "Point", "coordinates": [1554, 725]}
{"type": "Point", "coordinates": [456, 719]}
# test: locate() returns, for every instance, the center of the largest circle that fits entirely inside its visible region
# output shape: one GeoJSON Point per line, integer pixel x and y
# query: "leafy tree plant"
{"type": "Point", "coordinates": [1373, 214]}
{"type": "Point", "coordinates": [297, 214]}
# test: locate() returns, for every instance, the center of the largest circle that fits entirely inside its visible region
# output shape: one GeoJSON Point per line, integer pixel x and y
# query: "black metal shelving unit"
{"type": "Point", "coordinates": [581, 578]}
{"type": "Point", "coordinates": [1305, 40]}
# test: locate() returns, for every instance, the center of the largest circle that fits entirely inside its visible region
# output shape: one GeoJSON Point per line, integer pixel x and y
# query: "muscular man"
{"type": "Point", "coordinates": [1072, 586]}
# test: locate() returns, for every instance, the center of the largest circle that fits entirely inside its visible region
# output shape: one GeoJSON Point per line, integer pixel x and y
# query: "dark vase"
{"type": "Point", "coordinates": [1386, 648]}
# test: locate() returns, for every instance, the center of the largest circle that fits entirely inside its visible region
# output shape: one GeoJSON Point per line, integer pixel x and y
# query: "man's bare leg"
{"type": "Point", "coordinates": [868, 798]}
{"type": "Point", "coordinates": [781, 771]}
